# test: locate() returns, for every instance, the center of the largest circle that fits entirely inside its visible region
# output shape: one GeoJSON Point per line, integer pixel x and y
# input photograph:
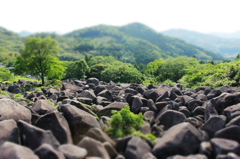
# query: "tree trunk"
{"type": "Point", "coordinates": [42, 77]}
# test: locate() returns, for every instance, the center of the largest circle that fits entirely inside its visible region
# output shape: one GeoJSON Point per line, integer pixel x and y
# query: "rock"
{"type": "Point", "coordinates": [182, 139]}
{"type": "Point", "coordinates": [46, 151]}
{"type": "Point", "coordinates": [98, 134]}
{"type": "Point", "coordinates": [71, 87]}
{"type": "Point", "coordinates": [99, 89]}
{"type": "Point", "coordinates": [171, 118]}
{"type": "Point", "coordinates": [78, 105]}
{"type": "Point", "coordinates": [231, 133]}
{"type": "Point", "coordinates": [14, 89]}
{"type": "Point", "coordinates": [136, 148]}
{"type": "Point", "coordinates": [57, 124]}
{"type": "Point", "coordinates": [121, 144]}
{"type": "Point", "coordinates": [10, 150]}
{"type": "Point", "coordinates": [85, 100]}
{"type": "Point", "coordinates": [232, 112]}
{"type": "Point", "coordinates": [234, 121]}
{"type": "Point", "coordinates": [192, 104]}
{"type": "Point", "coordinates": [183, 100]}
{"type": "Point", "coordinates": [94, 148]}
{"type": "Point", "coordinates": [206, 149]}
{"type": "Point", "coordinates": [107, 94]}
{"type": "Point", "coordinates": [185, 111]}
{"type": "Point", "coordinates": [9, 109]}
{"type": "Point", "coordinates": [95, 81]}
{"type": "Point", "coordinates": [149, 116]}
{"type": "Point", "coordinates": [42, 107]}
{"type": "Point", "coordinates": [88, 94]}
{"type": "Point", "coordinates": [73, 152]}
{"type": "Point", "coordinates": [9, 131]}
{"type": "Point", "coordinates": [163, 97]}
{"type": "Point", "coordinates": [225, 100]}
{"type": "Point", "coordinates": [107, 111]}
{"type": "Point", "coordinates": [79, 121]}
{"type": "Point", "coordinates": [136, 105]}
{"type": "Point", "coordinates": [213, 125]}
{"type": "Point", "coordinates": [199, 110]}
{"type": "Point", "coordinates": [151, 105]}
{"type": "Point", "coordinates": [210, 111]}
{"type": "Point", "coordinates": [214, 93]}
{"type": "Point", "coordinates": [224, 146]}
{"type": "Point", "coordinates": [110, 149]}
{"type": "Point", "coordinates": [33, 137]}
{"type": "Point", "coordinates": [150, 94]}
{"type": "Point", "coordinates": [194, 122]}
{"type": "Point", "coordinates": [188, 157]}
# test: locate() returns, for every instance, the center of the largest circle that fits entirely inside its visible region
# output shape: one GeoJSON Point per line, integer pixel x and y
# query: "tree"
{"type": "Point", "coordinates": [77, 69]}
{"type": "Point", "coordinates": [39, 58]}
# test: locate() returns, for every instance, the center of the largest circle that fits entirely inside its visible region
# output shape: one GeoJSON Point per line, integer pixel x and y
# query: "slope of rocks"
{"type": "Point", "coordinates": [193, 123]}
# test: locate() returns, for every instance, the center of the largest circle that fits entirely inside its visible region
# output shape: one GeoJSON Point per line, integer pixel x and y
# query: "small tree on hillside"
{"type": "Point", "coordinates": [38, 58]}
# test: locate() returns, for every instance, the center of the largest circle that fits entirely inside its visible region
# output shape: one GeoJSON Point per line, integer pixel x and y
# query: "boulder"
{"type": "Point", "coordinates": [88, 94]}
{"type": "Point", "coordinates": [213, 124]}
{"type": "Point", "coordinates": [107, 94]}
{"type": "Point", "coordinates": [10, 150]}
{"type": "Point", "coordinates": [136, 148]}
{"type": "Point", "coordinates": [33, 137]}
{"type": "Point", "coordinates": [100, 135]}
{"type": "Point", "coordinates": [72, 152]}
{"type": "Point", "coordinates": [110, 149]}
{"type": "Point", "coordinates": [42, 107]}
{"type": "Point", "coordinates": [94, 81]}
{"type": "Point", "coordinates": [46, 151]}
{"type": "Point", "coordinates": [71, 87]}
{"type": "Point", "coordinates": [198, 156]}
{"type": "Point", "coordinates": [107, 111]}
{"type": "Point", "coordinates": [206, 148]}
{"type": "Point", "coordinates": [136, 105]}
{"type": "Point", "coordinates": [192, 104]}
{"type": "Point", "coordinates": [9, 131]}
{"type": "Point", "coordinates": [234, 121]}
{"type": "Point", "coordinates": [57, 124]}
{"type": "Point", "coordinates": [232, 112]}
{"type": "Point", "coordinates": [171, 118]}
{"type": "Point", "coordinates": [94, 148]}
{"type": "Point", "coordinates": [79, 121]}
{"type": "Point", "coordinates": [181, 139]}
{"type": "Point", "coordinates": [224, 146]}
{"type": "Point", "coordinates": [9, 109]}
{"type": "Point", "coordinates": [231, 133]}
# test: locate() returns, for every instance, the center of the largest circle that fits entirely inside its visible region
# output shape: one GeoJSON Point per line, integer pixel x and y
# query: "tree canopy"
{"type": "Point", "coordinates": [39, 58]}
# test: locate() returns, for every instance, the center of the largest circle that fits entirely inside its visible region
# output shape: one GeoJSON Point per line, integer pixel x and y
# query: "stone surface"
{"type": "Point", "coordinates": [42, 107]}
{"type": "Point", "coordinates": [94, 148]}
{"type": "Point", "coordinates": [9, 109]}
{"type": "Point", "coordinates": [9, 131]}
{"type": "Point", "coordinates": [72, 152]}
{"type": "Point", "coordinates": [46, 151]}
{"type": "Point", "coordinates": [57, 124]}
{"type": "Point", "coordinates": [33, 137]}
{"type": "Point", "coordinates": [79, 121]}
{"type": "Point", "coordinates": [10, 150]}
{"type": "Point", "coordinates": [182, 139]}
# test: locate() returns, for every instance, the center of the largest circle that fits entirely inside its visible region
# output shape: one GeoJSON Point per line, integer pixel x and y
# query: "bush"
{"type": "Point", "coordinates": [124, 123]}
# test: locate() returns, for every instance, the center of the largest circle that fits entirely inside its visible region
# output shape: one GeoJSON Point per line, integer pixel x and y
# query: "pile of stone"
{"type": "Point", "coordinates": [192, 123]}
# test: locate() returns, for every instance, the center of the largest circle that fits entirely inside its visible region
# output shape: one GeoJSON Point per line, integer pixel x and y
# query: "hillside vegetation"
{"type": "Point", "coordinates": [228, 47]}
{"type": "Point", "coordinates": [134, 43]}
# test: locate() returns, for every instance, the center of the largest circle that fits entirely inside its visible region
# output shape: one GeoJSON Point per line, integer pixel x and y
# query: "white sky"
{"type": "Point", "coordinates": [64, 16]}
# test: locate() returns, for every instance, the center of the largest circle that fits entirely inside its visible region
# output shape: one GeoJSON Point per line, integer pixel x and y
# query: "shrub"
{"type": "Point", "coordinates": [124, 123]}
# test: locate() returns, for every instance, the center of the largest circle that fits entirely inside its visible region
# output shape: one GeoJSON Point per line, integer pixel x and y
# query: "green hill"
{"type": "Point", "coordinates": [10, 41]}
{"type": "Point", "coordinates": [134, 43]}
{"type": "Point", "coordinates": [224, 46]}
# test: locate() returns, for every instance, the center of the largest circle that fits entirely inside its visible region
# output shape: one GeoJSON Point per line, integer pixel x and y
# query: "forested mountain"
{"type": "Point", "coordinates": [134, 43]}
{"type": "Point", "coordinates": [10, 41]}
{"type": "Point", "coordinates": [225, 46]}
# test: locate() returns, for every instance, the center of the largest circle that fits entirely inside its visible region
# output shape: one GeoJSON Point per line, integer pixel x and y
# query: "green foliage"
{"type": "Point", "coordinates": [122, 73]}
{"type": "Point", "coordinates": [77, 69]}
{"type": "Point", "coordinates": [145, 137]}
{"type": "Point", "coordinates": [39, 58]}
{"type": "Point", "coordinates": [6, 75]}
{"type": "Point", "coordinates": [212, 75]}
{"type": "Point", "coordinates": [124, 123]}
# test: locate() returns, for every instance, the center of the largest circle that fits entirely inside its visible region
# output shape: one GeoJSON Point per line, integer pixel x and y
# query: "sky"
{"type": "Point", "coordinates": [63, 16]}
